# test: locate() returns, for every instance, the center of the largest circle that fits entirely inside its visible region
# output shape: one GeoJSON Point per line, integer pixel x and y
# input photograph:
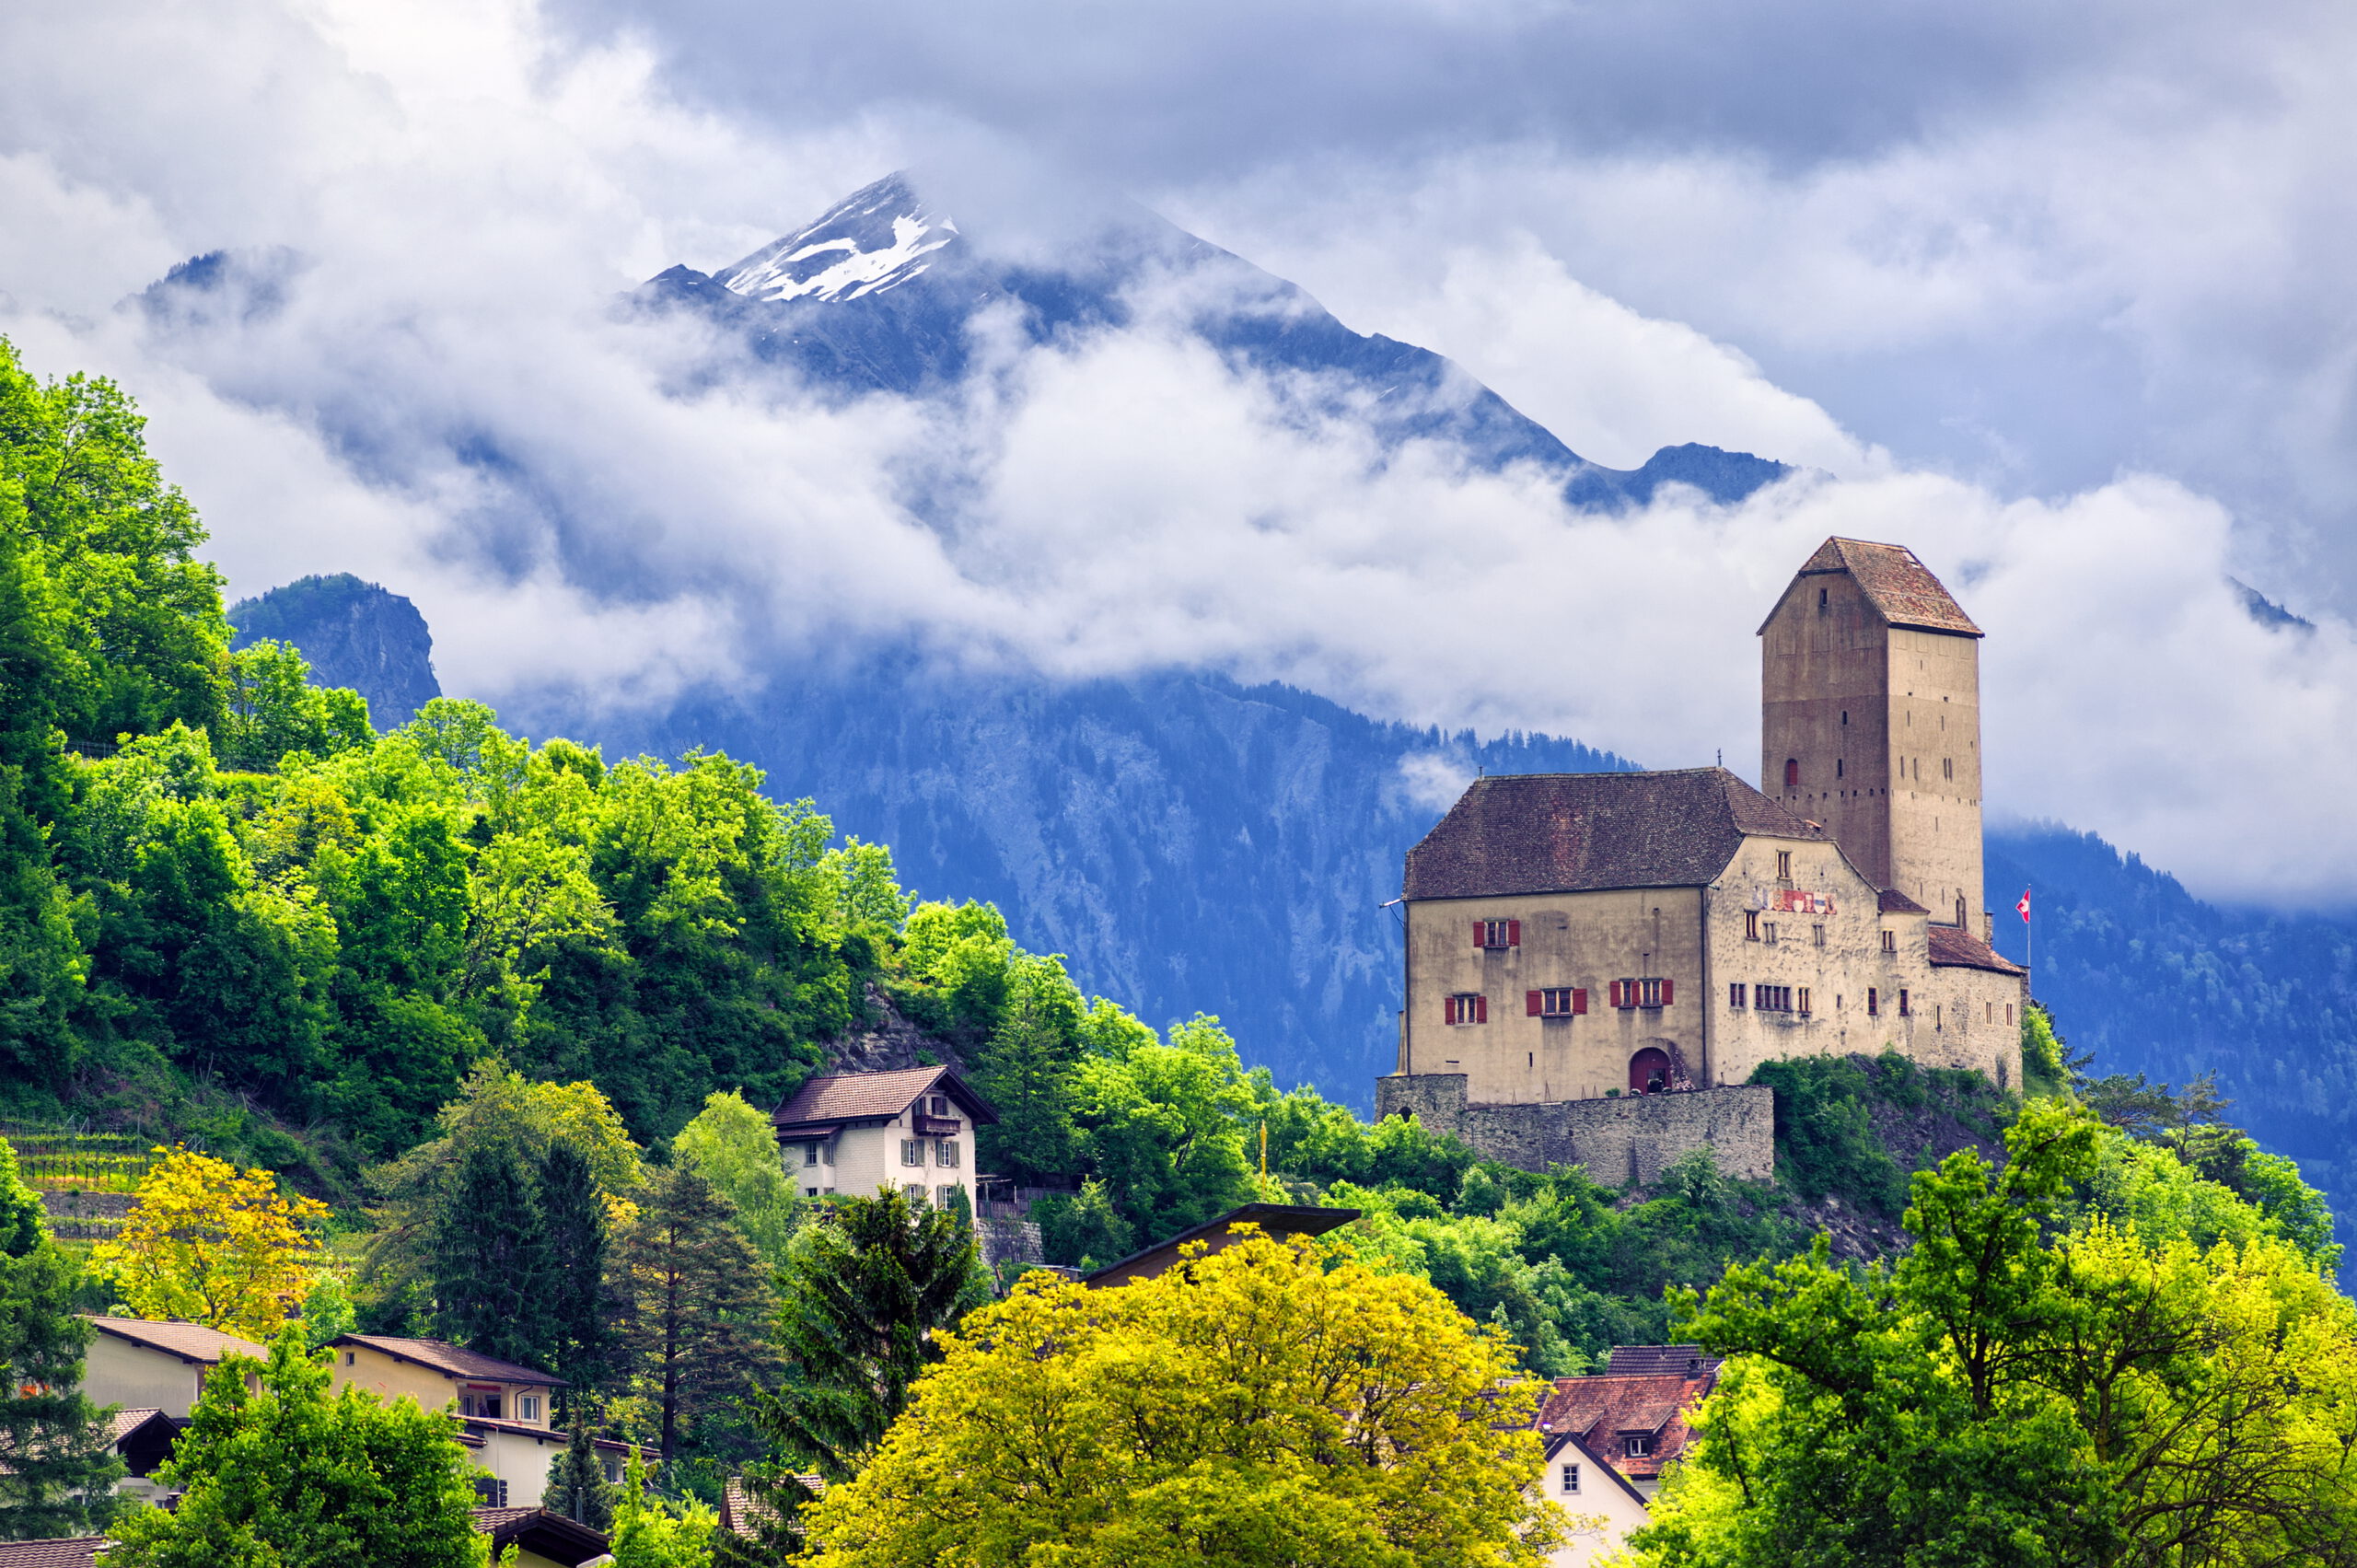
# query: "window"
{"type": "Point", "coordinates": [1816, 935]}
{"type": "Point", "coordinates": [349, 1358]}
{"type": "Point", "coordinates": [1751, 925]}
{"type": "Point", "coordinates": [1737, 993]}
{"type": "Point", "coordinates": [1801, 1005]}
{"type": "Point", "coordinates": [942, 1197]}
{"type": "Point", "coordinates": [1571, 1481]}
{"type": "Point", "coordinates": [1947, 764]}
{"type": "Point", "coordinates": [911, 1151]}
{"type": "Point", "coordinates": [939, 1106]}
{"type": "Point", "coordinates": [1494, 935]}
{"type": "Point", "coordinates": [1904, 1010]}
{"type": "Point", "coordinates": [1464, 1007]}
{"type": "Point", "coordinates": [1840, 767]}
{"type": "Point", "coordinates": [1988, 1011]}
{"type": "Point", "coordinates": [492, 1490]}
{"type": "Point", "coordinates": [1652, 991]}
{"type": "Point", "coordinates": [1939, 1017]}
{"type": "Point", "coordinates": [1845, 718]}
{"type": "Point", "coordinates": [809, 1191]}
{"type": "Point", "coordinates": [1792, 772]}
{"type": "Point", "coordinates": [1637, 1445]}
{"type": "Point", "coordinates": [613, 1471]}
{"type": "Point", "coordinates": [1821, 605]}
{"type": "Point", "coordinates": [1771, 998]}
{"type": "Point", "coordinates": [1555, 1002]}
{"type": "Point", "coordinates": [915, 1189]}
{"type": "Point", "coordinates": [527, 1407]}
{"type": "Point", "coordinates": [814, 1153]}
{"type": "Point", "coordinates": [1890, 941]}
{"type": "Point", "coordinates": [944, 1154]}
{"type": "Point", "coordinates": [1873, 1002]}
{"type": "Point", "coordinates": [2009, 1014]}
{"type": "Point", "coordinates": [479, 1402]}
{"type": "Point", "coordinates": [1783, 865]}
{"type": "Point", "coordinates": [1771, 931]}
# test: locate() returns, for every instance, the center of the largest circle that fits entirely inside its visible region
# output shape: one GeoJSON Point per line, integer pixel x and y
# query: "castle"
{"type": "Point", "coordinates": [1597, 963]}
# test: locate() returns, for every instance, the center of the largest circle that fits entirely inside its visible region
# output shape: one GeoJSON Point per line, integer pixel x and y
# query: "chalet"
{"type": "Point", "coordinates": [1603, 1505]}
{"type": "Point", "coordinates": [868, 1133]}
{"type": "Point", "coordinates": [155, 1366]}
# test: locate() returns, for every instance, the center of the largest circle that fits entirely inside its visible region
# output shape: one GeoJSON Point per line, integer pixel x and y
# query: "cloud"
{"type": "Point", "coordinates": [443, 398]}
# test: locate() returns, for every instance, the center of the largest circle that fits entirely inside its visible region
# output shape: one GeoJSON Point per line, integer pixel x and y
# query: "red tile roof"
{"type": "Point", "coordinates": [1603, 1411]}
{"type": "Point", "coordinates": [855, 1097]}
{"type": "Point", "coordinates": [76, 1551]}
{"type": "Point", "coordinates": [1898, 587]}
{"type": "Point", "coordinates": [453, 1361]}
{"type": "Point", "coordinates": [1955, 947]}
{"type": "Point", "coordinates": [1573, 833]}
{"type": "Point", "coordinates": [740, 1511]}
{"type": "Point", "coordinates": [542, 1533]}
{"type": "Point", "coordinates": [190, 1342]}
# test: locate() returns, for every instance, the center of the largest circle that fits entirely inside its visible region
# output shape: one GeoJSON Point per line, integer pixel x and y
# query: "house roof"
{"type": "Point", "coordinates": [1277, 1220]}
{"type": "Point", "coordinates": [1558, 1441]}
{"type": "Point", "coordinates": [541, 1532]}
{"type": "Point", "coordinates": [867, 1096]}
{"type": "Point", "coordinates": [1602, 1409]}
{"type": "Point", "coordinates": [192, 1343]}
{"type": "Point", "coordinates": [123, 1423]}
{"type": "Point", "coordinates": [741, 1510]}
{"type": "Point", "coordinates": [453, 1361]}
{"type": "Point", "coordinates": [75, 1551]}
{"type": "Point", "coordinates": [1955, 947]}
{"type": "Point", "coordinates": [1576, 832]}
{"type": "Point", "coordinates": [1900, 588]}
{"type": "Point", "coordinates": [1686, 1361]}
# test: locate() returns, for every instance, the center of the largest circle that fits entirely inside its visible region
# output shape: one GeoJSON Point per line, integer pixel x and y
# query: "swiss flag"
{"type": "Point", "coordinates": [2022, 908]}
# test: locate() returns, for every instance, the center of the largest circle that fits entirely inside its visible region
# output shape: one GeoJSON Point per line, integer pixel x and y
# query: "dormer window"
{"type": "Point", "coordinates": [1637, 1445]}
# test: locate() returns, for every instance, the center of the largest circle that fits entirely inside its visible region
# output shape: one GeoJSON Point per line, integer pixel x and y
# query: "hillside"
{"type": "Point", "coordinates": [353, 635]}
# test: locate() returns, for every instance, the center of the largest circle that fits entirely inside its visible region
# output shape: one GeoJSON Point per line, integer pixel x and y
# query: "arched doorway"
{"type": "Point", "coordinates": [1649, 1071]}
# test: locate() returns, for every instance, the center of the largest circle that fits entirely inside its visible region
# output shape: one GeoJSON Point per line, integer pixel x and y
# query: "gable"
{"type": "Point", "coordinates": [1899, 587]}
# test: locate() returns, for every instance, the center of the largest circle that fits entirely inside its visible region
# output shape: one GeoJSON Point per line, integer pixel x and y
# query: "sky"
{"type": "Point", "coordinates": [2057, 296]}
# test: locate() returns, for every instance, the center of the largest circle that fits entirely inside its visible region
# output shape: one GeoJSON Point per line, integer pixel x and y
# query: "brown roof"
{"type": "Point", "coordinates": [123, 1424]}
{"type": "Point", "coordinates": [453, 1361]}
{"type": "Point", "coordinates": [856, 1096]}
{"type": "Point", "coordinates": [190, 1342]}
{"type": "Point", "coordinates": [741, 1510]}
{"type": "Point", "coordinates": [1601, 1411]}
{"type": "Point", "coordinates": [1686, 1361]}
{"type": "Point", "coordinates": [1574, 832]}
{"type": "Point", "coordinates": [1955, 947]}
{"type": "Point", "coordinates": [76, 1551]}
{"type": "Point", "coordinates": [1896, 902]}
{"type": "Point", "coordinates": [541, 1532]}
{"type": "Point", "coordinates": [1902, 588]}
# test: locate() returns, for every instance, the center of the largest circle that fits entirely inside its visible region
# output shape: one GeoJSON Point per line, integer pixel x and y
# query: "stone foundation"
{"type": "Point", "coordinates": [1625, 1142]}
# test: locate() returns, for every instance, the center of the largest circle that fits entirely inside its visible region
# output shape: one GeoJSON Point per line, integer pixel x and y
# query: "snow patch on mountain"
{"type": "Point", "coordinates": [875, 241]}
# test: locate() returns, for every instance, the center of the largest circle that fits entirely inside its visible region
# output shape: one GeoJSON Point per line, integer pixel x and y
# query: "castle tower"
{"type": "Point", "coordinates": [1870, 721]}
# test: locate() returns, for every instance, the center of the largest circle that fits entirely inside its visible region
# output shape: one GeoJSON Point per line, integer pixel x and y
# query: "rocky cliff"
{"type": "Point", "coordinates": [355, 635]}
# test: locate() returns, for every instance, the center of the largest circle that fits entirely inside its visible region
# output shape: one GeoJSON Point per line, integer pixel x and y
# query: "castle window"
{"type": "Point", "coordinates": [1890, 941]}
{"type": "Point", "coordinates": [2009, 1013]}
{"type": "Point", "coordinates": [1821, 601]}
{"type": "Point", "coordinates": [1838, 770]}
{"type": "Point", "coordinates": [1959, 912]}
{"type": "Point", "coordinates": [1771, 931]}
{"type": "Point", "coordinates": [1904, 1010]}
{"type": "Point", "coordinates": [1651, 991]}
{"type": "Point", "coordinates": [1751, 925]}
{"type": "Point", "coordinates": [1801, 1005]}
{"type": "Point", "coordinates": [1783, 865]}
{"type": "Point", "coordinates": [1493, 935]}
{"type": "Point", "coordinates": [1737, 993]}
{"type": "Point", "coordinates": [1947, 768]}
{"type": "Point", "coordinates": [1466, 1007]}
{"type": "Point", "coordinates": [1771, 998]}
{"type": "Point", "coordinates": [1555, 1002]}
{"type": "Point", "coordinates": [1845, 718]}
{"type": "Point", "coordinates": [1873, 1002]}
{"type": "Point", "coordinates": [1817, 933]}
{"type": "Point", "coordinates": [1792, 772]}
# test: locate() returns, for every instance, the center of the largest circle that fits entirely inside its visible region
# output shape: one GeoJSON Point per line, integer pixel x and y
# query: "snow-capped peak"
{"type": "Point", "coordinates": [875, 241]}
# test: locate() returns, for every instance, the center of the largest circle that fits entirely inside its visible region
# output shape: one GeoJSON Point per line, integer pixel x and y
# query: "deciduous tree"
{"type": "Point", "coordinates": [210, 1243]}
{"type": "Point", "coordinates": [1265, 1404]}
{"type": "Point", "coordinates": [59, 1463]}
{"type": "Point", "coordinates": [733, 1145]}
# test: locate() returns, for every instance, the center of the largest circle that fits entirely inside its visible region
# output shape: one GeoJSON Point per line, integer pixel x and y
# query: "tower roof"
{"type": "Point", "coordinates": [1902, 588]}
{"type": "Point", "coordinates": [1576, 832]}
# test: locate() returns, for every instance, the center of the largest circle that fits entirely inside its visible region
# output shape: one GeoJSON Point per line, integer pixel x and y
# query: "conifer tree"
{"type": "Point", "coordinates": [690, 1305]}
{"type": "Point", "coordinates": [578, 1486]}
{"type": "Point", "coordinates": [573, 1219]}
{"type": "Point", "coordinates": [59, 1468]}
{"type": "Point", "coordinates": [492, 1258]}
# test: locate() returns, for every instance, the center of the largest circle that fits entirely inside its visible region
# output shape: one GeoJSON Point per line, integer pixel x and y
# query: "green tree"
{"type": "Point", "coordinates": [1086, 1230]}
{"type": "Point", "coordinates": [647, 1534]}
{"type": "Point", "coordinates": [578, 1486]}
{"type": "Point", "coordinates": [1266, 1405]}
{"type": "Point", "coordinates": [733, 1145]}
{"type": "Point", "coordinates": [572, 1307]}
{"type": "Point", "coordinates": [1026, 1070]}
{"type": "Point", "coordinates": [689, 1309]}
{"type": "Point", "coordinates": [492, 1274]}
{"type": "Point", "coordinates": [288, 1476]}
{"type": "Point", "coordinates": [60, 1460]}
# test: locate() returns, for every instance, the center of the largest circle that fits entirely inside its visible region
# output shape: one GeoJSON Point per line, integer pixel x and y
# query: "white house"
{"type": "Point", "coordinates": [1604, 1508]}
{"type": "Point", "coordinates": [158, 1366]}
{"type": "Point", "coordinates": [865, 1132]}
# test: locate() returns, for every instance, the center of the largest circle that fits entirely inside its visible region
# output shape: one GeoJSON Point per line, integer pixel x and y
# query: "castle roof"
{"type": "Point", "coordinates": [1955, 947]}
{"type": "Point", "coordinates": [1902, 588]}
{"type": "Point", "coordinates": [1579, 833]}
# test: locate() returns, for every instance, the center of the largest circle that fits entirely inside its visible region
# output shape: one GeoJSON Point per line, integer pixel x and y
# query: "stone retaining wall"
{"type": "Point", "coordinates": [1623, 1141]}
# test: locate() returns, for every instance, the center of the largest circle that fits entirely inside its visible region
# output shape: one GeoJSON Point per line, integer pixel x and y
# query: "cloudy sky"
{"type": "Point", "coordinates": [2058, 295]}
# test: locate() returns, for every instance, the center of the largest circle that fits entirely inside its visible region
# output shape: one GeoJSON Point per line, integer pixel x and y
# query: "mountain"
{"type": "Point", "coordinates": [887, 292]}
{"type": "Point", "coordinates": [354, 634]}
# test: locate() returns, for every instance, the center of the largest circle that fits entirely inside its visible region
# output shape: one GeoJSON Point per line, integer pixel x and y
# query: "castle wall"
{"type": "Point", "coordinates": [1936, 798]}
{"type": "Point", "coordinates": [1621, 1142]}
{"type": "Point", "coordinates": [1825, 687]}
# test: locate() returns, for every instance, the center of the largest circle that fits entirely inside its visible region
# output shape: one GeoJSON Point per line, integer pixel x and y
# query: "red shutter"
{"type": "Point", "coordinates": [1579, 1000]}
{"type": "Point", "coordinates": [1481, 934]}
{"type": "Point", "coordinates": [1480, 1009]}
{"type": "Point", "coordinates": [1531, 1003]}
{"type": "Point", "coordinates": [1612, 993]}
{"type": "Point", "coordinates": [1514, 933]}
{"type": "Point", "coordinates": [1664, 993]}
{"type": "Point", "coordinates": [1448, 1009]}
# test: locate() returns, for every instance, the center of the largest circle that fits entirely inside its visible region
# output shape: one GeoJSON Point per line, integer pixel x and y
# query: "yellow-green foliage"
{"type": "Point", "coordinates": [1264, 1404]}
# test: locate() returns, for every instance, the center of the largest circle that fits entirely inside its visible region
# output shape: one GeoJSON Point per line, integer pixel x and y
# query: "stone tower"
{"type": "Point", "coordinates": [1870, 721]}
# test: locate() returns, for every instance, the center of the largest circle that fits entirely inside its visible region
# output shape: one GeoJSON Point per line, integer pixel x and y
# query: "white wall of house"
{"type": "Point", "coordinates": [864, 1160]}
{"type": "Point", "coordinates": [135, 1377]}
{"type": "Point", "coordinates": [1601, 1512]}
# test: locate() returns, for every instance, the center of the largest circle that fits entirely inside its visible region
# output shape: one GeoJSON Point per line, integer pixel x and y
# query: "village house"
{"type": "Point", "coordinates": [1579, 937]}
{"type": "Point", "coordinates": [865, 1133]}
{"type": "Point", "coordinates": [1610, 1438]}
{"type": "Point", "coordinates": [503, 1407]}
{"type": "Point", "coordinates": [1602, 1505]}
{"type": "Point", "coordinates": [155, 1366]}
